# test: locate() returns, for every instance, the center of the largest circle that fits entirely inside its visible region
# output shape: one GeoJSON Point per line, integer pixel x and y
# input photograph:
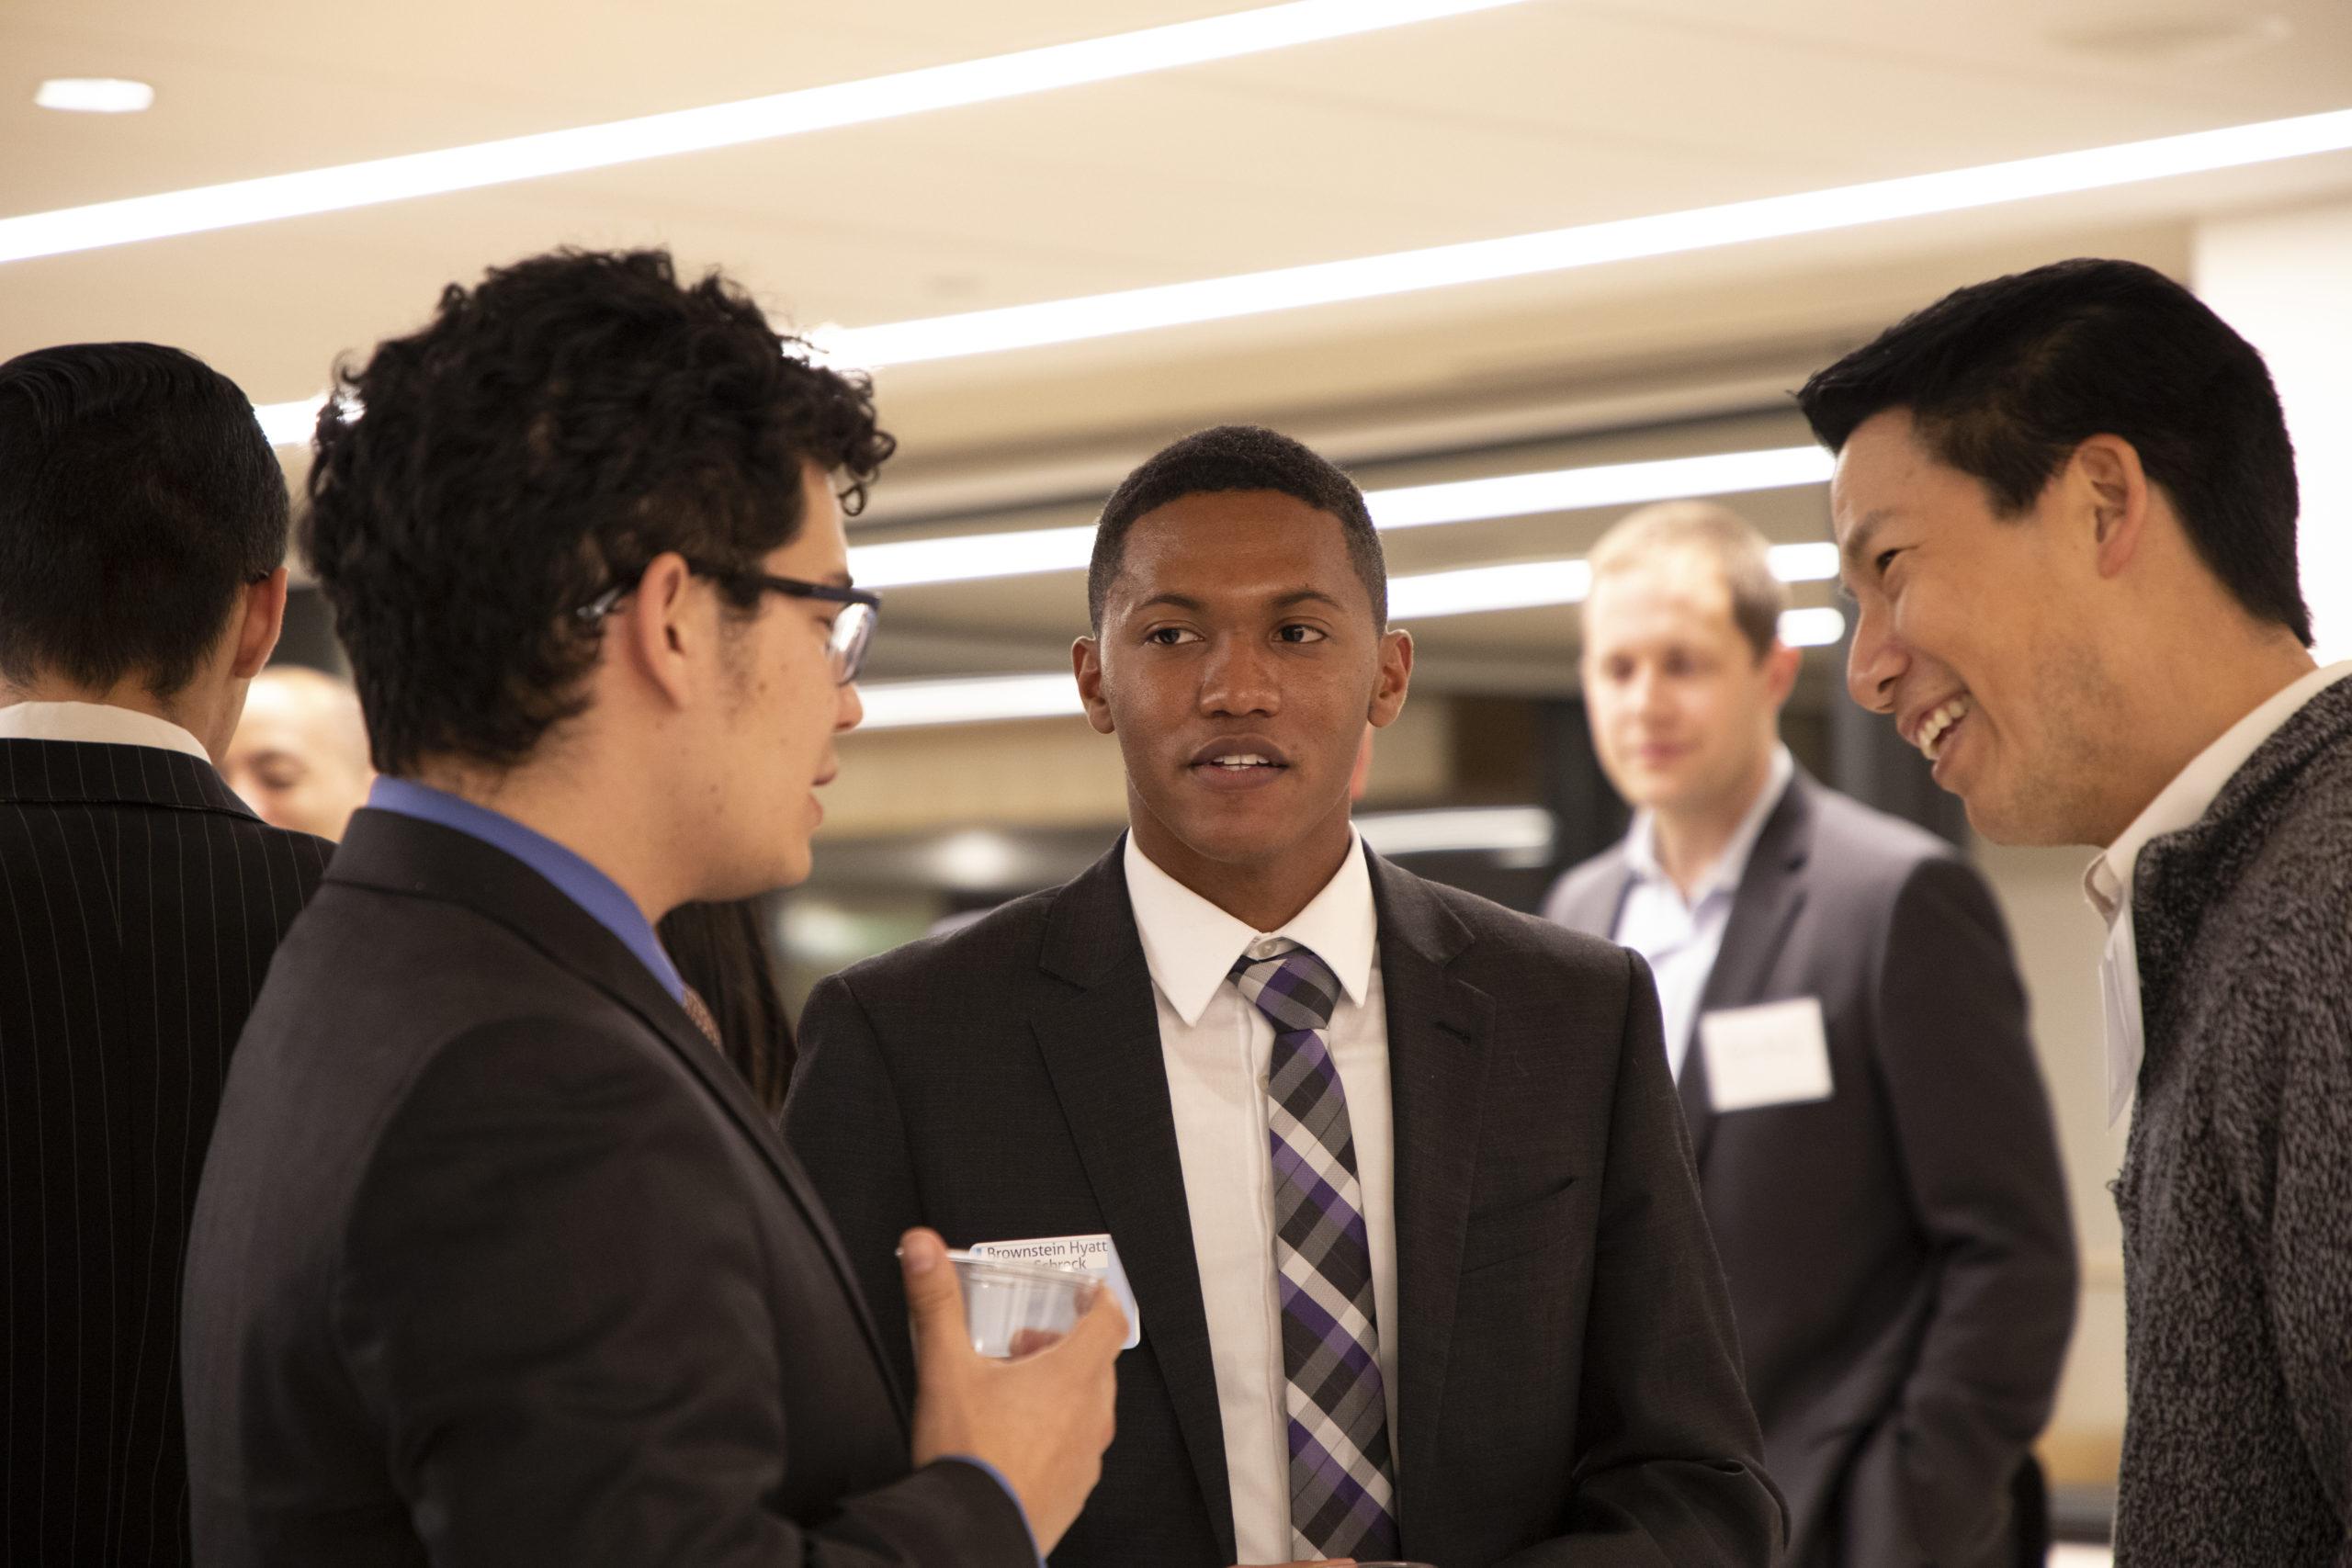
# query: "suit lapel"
{"type": "Point", "coordinates": [1770, 894]}
{"type": "Point", "coordinates": [1438, 1030]}
{"type": "Point", "coordinates": [1099, 1032]}
{"type": "Point", "coordinates": [406, 854]}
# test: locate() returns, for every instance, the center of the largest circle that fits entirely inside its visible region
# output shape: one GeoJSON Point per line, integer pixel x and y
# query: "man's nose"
{"type": "Point", "coordinates": [1875, 661]}
{"type": "Point", "coordinates": [1238, 677]}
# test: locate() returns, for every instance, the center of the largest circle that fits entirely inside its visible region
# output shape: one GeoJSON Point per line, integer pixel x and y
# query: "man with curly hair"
{"type": "Point", "coordinates": [496, 1259]}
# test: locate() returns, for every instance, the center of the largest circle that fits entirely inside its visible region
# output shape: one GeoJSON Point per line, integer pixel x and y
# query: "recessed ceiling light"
{"type": "Point", "coordinates": [95, 94]}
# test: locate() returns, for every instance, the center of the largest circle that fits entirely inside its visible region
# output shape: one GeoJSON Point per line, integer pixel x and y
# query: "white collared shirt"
{"type": "Point", "coordinates": [101, 723]}
{"type": "Point", "coordinates": [1681, 937]}
{"type": "Point", "coordinates": [1217, 1048]}
{"type": "Point", "coordinates": [2107, 881]}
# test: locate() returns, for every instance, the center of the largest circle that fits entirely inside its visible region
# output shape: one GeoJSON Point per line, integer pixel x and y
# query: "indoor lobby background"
{"type": "Point", "coordinates": [1594, 383]}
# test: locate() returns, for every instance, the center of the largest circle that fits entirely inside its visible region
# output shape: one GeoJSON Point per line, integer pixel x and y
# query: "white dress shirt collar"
{"type": "Point", "coordinates": [2107, 881]}
{"type": "Point", "coordinates": [1190, 945]}
{"type": "Point", "coordinates": [1641, 838]}
{"type": "Point", "coordinates": [99, 723]}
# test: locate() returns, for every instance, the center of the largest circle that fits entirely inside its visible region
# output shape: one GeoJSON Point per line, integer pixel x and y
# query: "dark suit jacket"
{"type": "Point", "coordinates": [1566, 1360]}
{"type": "Point", "coordinates": [140, 903]}
{"type": "Point", "coordinates": [497, 1261]}
{"type": "Point", "coordinates": [1899, 1254]}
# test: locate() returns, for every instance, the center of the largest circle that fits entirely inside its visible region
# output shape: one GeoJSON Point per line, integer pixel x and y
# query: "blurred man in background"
{"type": "Point", "coordinates": [1395, 1174]}
{"type": "Point", "coordinates": [299, 757]}
{"type": "Point", "coordinates": [2066, 505]}
{"type": "Point", "coordinates": [497, 1260]}
{"type": "Point", "coordinates": [143, 522]}
{"type": "Point", "coordinates": [1848, 1035]}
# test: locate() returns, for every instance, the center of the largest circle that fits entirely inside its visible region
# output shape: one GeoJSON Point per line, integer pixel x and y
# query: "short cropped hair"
{"type": "Point", "coordinates": [138, 498]}
{"type": "Point", "coordinates": [1236, 457]}
{"type": "Point", "coordinates": [2007, 378]}
{"type": "Point", "coordinates": [1714, 534]}
{"type": "Point", "coordinates": [548, 435]}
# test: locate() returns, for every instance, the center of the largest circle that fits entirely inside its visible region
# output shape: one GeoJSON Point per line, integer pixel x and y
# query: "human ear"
{"type": "Point", "coordinates": [1394, 674]}
{"type": "Point", "coordinates": [656, 628]}
{"type": "Point", "coordinates": [264, 604]}
{"type": "Point", "coordinates": [1782, 663]}
{"type": "Point", "coordinates": [1086, 663]}
{"type": "Point", "coordinates": [2105, 470]}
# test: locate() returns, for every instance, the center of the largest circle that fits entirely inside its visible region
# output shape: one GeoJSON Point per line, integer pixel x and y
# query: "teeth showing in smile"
{"type": "Point", "coordinates": [1246, 759]}
{"type": "Point", "coordinates": [1934, 727]}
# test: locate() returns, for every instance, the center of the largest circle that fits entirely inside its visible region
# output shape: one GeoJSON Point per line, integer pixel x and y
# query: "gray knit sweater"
{"type": "Point", "coordinates": [2237, 1192]}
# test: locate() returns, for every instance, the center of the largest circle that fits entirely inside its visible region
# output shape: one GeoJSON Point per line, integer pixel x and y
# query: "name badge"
{"type": "Point", "coordinates": [1098, 1255]}
{"type": "Point", "coordinates": [1777, 1053]}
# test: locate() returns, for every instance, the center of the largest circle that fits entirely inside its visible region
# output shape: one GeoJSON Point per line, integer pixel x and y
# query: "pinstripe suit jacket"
{"type": "Point", "coordinates": [140, 903]}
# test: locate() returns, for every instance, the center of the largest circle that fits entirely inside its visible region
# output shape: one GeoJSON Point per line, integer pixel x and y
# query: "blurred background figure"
{"type": "Point", "coordinates": [300, 758]}
{"type": "Point", "coordinates": [142, 520]}
{"type": "Point", "coordinates": [1849, 1038]}
{"type": "Point", "coordinates": [721, 952]}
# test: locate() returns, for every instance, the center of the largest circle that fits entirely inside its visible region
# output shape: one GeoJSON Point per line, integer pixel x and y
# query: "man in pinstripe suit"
{"type": "Point", "coordinates": [142, 521]}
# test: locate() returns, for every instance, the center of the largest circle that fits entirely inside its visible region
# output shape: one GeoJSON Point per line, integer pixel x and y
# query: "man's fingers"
{"type": "Point", "coordinates": [1105, 1320]}
{"type": "Point", "coordinates": [934, 1300]}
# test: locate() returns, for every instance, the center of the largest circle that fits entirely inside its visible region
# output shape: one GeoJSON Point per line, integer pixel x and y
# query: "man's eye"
{"type": "Point", "coordinates": [1296, 633]}
{"type": "Point", "coordinates": [1168, 637]}
{"type": "Point", "coordinates": [1883, 560]}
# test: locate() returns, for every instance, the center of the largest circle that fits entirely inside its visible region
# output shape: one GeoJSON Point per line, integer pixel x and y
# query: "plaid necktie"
{"type": "Point", "coordinates": [1343, 1498]}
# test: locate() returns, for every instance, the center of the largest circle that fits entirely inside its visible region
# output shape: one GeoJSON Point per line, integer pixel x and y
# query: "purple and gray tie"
{"type": "Point", "coordinates": [1342, 1489]}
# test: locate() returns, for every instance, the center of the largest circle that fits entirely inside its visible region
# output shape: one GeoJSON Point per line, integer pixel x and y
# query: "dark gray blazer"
{"type": "Point", "coordinates": [496, 1261]}
{"type": "Point", "coordinates": [2236, 1192]}
{"type": "Point", "coordinates": [1899, 1254]}
{"type": "Point", "coordinates": [140, 903]}
{"type": "Point", "coordinates": [1568, 1391]}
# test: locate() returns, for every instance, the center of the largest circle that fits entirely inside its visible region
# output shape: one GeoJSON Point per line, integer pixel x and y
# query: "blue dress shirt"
{"type": "Point", "coordinates": [574, 877]}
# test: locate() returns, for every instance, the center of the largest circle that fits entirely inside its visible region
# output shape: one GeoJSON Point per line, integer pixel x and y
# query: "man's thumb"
{"type": "Point", "coordinates": [934, 1300]}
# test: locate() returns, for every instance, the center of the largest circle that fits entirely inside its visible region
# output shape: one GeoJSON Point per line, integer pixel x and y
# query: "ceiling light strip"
{"type": "Point", "coordinates": [1588, 244]}
{"type": "Point", "coordinates": [379, 180]}
{"type": "Point", "coordinates": [968, 557]}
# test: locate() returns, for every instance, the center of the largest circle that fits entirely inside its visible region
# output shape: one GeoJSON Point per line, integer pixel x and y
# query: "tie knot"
{"type": "Point", "coordinates": [1294, 989]}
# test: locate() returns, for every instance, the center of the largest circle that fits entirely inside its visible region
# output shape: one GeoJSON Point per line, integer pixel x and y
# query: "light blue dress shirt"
{"type": "Point", "coordinates": [1682, 937]}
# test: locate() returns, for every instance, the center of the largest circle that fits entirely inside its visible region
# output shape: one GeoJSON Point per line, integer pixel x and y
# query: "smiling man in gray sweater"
{"type": "Point", "coordinates": [2067, 505]}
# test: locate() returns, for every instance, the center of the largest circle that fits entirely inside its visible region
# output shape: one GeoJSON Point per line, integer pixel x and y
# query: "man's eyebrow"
{"type": "Point", "coordinates": [1858, 544]}
{"type": "Point", "coordinates": [1302, 596]}
{"type": "Point", "coordinates": [1174, 601]}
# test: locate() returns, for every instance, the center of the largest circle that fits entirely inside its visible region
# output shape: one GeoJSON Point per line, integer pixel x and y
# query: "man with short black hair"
{"type": "Point", "coordinates": [1395, 1176]}
{"type": "Point", "coordinates": [142, 525]}
{"type": "Point", "coordinates": [1848, 1035]}
{"type": "Point", "coordinates": [497, 1260]}
{"type": "Point", "coordinates": [2067, 505]}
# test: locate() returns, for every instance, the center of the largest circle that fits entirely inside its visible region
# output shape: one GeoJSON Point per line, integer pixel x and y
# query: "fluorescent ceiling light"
{"type": "Point", "coordinates": [1522, 833]}
{"type": "Point", "coordinates": [966, 558]}
{"type": "Point", "coordinates": [1803, 563]}
{"type": "Point", "coordinates": [1588, 244]}
{"type": "Point", "coordinates": [1614, 484]}
{"type": "Point", "coordinates": [1477, 589]}
{"type": "Point", "coordinates": [290, 425]}
{"type": "Point", "coordinates": [95, 94]}
{"type": "Point", "coordinates": [1529, 585]}
{"type": "Point", "coordinates": [717, 125]}
{"type": "Point", "coordinates": [1817, 628]}
{"type": "Point", "coordinates": [896, 704]}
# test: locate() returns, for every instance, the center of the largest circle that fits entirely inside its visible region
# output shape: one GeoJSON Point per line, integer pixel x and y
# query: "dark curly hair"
{"type": "Point", "coordinates": [138, 498]}
{"type": "Point", "coordinates": [2007, 378]}
{"type": "Point", "coordinates": [1236, 456]}
{"type": "Point", "coordinates": [550, 433]}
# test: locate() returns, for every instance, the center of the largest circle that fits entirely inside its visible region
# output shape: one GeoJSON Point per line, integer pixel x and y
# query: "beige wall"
{"type": "Point", "coordinates": [2058, 939]}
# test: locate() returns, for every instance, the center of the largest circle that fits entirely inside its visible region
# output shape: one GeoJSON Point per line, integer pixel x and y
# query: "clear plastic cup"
{"type": "Point", "coordinates": [1014, 1308]}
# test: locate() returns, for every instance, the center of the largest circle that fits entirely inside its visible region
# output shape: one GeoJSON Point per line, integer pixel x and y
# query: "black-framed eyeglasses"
{"type": "Point", "coordinates": [853, 631]}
